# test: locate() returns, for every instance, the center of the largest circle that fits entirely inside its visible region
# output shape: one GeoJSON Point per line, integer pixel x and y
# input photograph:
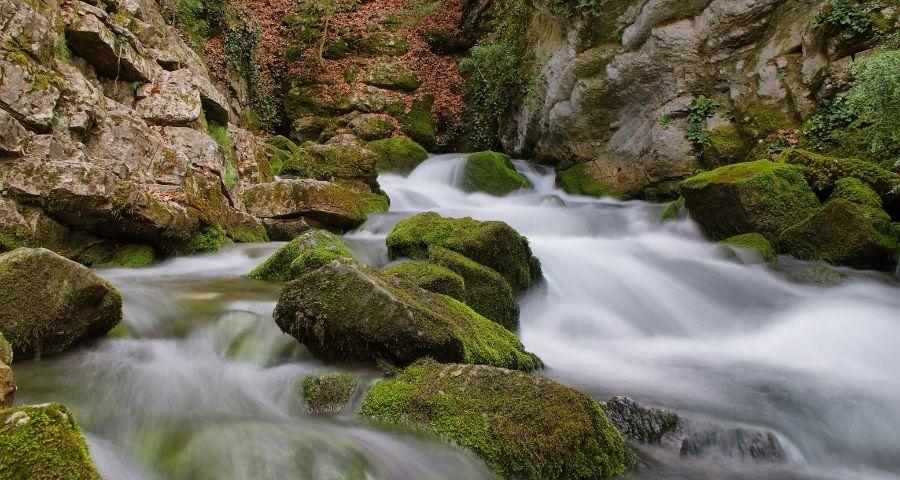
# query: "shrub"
{"type": "Point", "coordinates": [494, 79]}
{"type": "Point", "coordinates": [699, 110]}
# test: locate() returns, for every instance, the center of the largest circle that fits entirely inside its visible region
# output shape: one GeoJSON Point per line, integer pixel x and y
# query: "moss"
{"type": "Point", "coordinates": [331, 162]}
{"type": "Point", "coordinates": [209, 239]}
{"type": "Point", "coordinates": [844, 233]}
{"type": "Point", "coordinates": [430, 276]}
{"type": "Point", "coordinates": [817, 275]}
{"type": "Point", "coordinates": [522, 426]}
{"type": "Point", "coordinates": [398, 154]}
{"type": "Point", "coordinates": [486, 291]}
{"type": "Point", "coordinates": [493, 173]}
{"type": "Point", "coordinates": [328, 394]}
{"type": "Point", "coordinates": [372, 126]}
{"type": "Point", "coordinates": [755, 242]}
{"type": "Point", "coordinates": [578, 181]}
{"type": "Point", "coordinates": [43, 442]}
{"type": "Point", "coordinates": [760, 196]}
{"type": "Point", "coordinates": [418, 124]}
{"type": "Point", "coordinates": [822, 172]}
{"type": "Point", "coordinates": [134, 256]}
{"type": "Point", "coordinates": [723, 146]}
{"type": "Point", "coordinates": [759, 119]}
{"type": "Point", "coordinates": [380, 44]}
{"type": "Point", "coordinates": [393, 76]}
{"type": "Point", "coordinates": [6, 352]}
{"type": "Point", "coordinates": [673, 211]}
{"type": "Point", "coordinates": [302, 255]}
{"type": "Point", "coordinates": [282, 143]}
{"type": "Point", "coordinates": [855, 191]}
{"type": "Point", "coordinates": [349, 312]}
{"type": "Point", "coordinates": [493, 244]}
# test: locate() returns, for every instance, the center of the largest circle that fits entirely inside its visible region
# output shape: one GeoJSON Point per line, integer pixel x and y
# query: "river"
{"type": "Point", "coordinates": [199, 383]}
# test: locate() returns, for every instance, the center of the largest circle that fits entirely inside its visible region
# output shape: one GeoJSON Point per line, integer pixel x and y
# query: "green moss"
{"type": "Point", "coordinates": [6, 352]}
{"type": "Point", "coordinates": [822, 171]}
{"type": "Point", "coordinates": [209, 239]}
{"type": "Point", "coordinates": [418, 124]}
{"type": "Point", "coordinates": [380, 44]}
{"type": "Point", "coordinates": [43, 442]}
{"type": "Point", "coordinates": [392, 76]}
{"type": "Point", "coordinates": [398, 154]}
{"type": "Point", "coordinates": [431, 277]}
{"type": "Point", "coordinates": [493, 244]}
{"type": "Point", "coordinates": [328, 394]}
{"type": "Point", "coordinates": [759, 119]}
{"type": "Point", "coordinates": [673, 211]}
{"type": "Point", "coordinates": [223, 138]}
{"type": "Point", "coordinates": [134, 256]}
{"type": "Point", "coordinates": [486, 291]}
{"type": "Point", "coordinates": [302, 255]}
{"type": "Point", "coordinates": [755, 242]}
{"type": "Point", "coordinates": [578, 181]}
{"type": "Point", "coordinates": [282, 143]}
{"type": "Point", "coordinates": [522, 426]}
{"type": "Point", "coordinates": [724, 145]}
{"type": "Point", "coordinates": [760, 196]}
{"type": "Point", "coordinates": [855, 191]}
{"type": "Point", "coordinates": [340, 161]}
{"type": "Point", "coordinates": [493, 173]}
{"type": "Point", "coordinates": [349, 312]}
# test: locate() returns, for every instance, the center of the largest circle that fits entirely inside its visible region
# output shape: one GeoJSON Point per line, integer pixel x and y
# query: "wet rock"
{"type": "Point", "coordinates": [302, 255]}
{"type": "Point", "coordinates": [493, 244]}
{"type": "Point", "coordinates": [398, 154]}
{"type": "Point", "coordinates": [43, 441]}
{"type": "Point", "coordinates": [493, 173]}
{"type": "Point", "coordinates": [640, 423]}
{"type": "Point", "coordinates": [171, 98]}
{"type": "Point", "coordinates": [328, 394]}
{"type": "Point", "coordinates": [522, 426]}
{"type": "Point", "coordinates": [431, 277]}
{"type": "Point", "coordinates": [587, 179]}
{"type": "Point", "coordinates": [49, 304]}
{"type": "Point", "coordinates": [673, 211]}
{"type": "Point", "coordinates": [739, 443]}
{"type": "Point", "coordinates": [753, 242]}
{"type": "Point", "coordinates": [349, 312]}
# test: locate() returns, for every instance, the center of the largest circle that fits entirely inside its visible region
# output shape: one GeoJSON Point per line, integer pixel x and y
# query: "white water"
{"type": "Point", "coordinates": [205, 385]}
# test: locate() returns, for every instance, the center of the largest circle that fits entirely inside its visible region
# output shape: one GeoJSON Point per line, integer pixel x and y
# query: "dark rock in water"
{"type": "Point", "coordinates": [48, 303]}
{"type": "Point", "coordinates": [328, 394]}
{"type": "Point", "coordinates": [665, 428]}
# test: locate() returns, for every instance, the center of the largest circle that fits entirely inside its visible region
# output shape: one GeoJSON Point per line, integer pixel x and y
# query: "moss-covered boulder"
{"type": "Point", "coordinates": [486, 291]}
{"type": "Point", "coordinates": [760, 196]}
{"type": "Point", "coordinates": [844, 233]}
{"type": "Point", "coordinates": [380, 44]}
{"type": "Point", "coordinates": [371, 126]}
{"type": "Point", "coordinates": [418, 124]}
{"type": "Point", "coordinates": [431, 277]}
{"type": "Point", "coordinates": [43, 442]}
{"type": "Point", "coordinates": [343, 162]}
{"type": "Point", "coordinates": [349, 312]}
{"type": "Point", "coordinates": [753, 242]}
{"type": "Point", "coordinates": [328, 394]}
{"type": "Point", "coordinates": [391, 75]}
{"type": "Point", "coordinates": [855, 191]}
{"type": "Point", "coordinates": [522, 426]}
{"type": "Point", "coordinates": [673, 211]}
{"type": "Point", "coordinates": [724, 146]}
{"type": "Point", "coordinates": [823, 171]}
{"type": "Point", "coordinates": [302, 255]}
{"type": "Point", "coordinates": [493, 173]}
{"type": "Point", "coordinates": [493, 244]}
{"type": "Point", "coordinates": [7, 385]}
{"type": "Point", "coordinates": [398, 154]}
{"type": "Point", "coordinates": [578, 180]}
{"type": "Point", "coordinates": [48, 303]}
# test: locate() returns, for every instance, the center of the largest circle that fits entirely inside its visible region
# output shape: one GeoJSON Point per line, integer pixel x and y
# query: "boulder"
{"type": "Point", "coordinates": [345, 162]}
{"type": "Point", "coordinates": [371, 126]}
{"type": "Point", "coordinates": [13, 135]}
{"type": "Point", "coordinates": [855, 191]}
{"type": "Point", "coordinates": [418, 124]}
{"type": "Point", "coordinates": [328, 394]}
{"type": "Point", "coordinates": [493, 173]}
{"type": "Point", "coordinates": [753, 242]}
{"type": "Point", "coordinates": [349, 312]}
{"type": "Point", "coordinates": [302, 255]}
{"type": "Point", "coordinates": [49, 304]}
{"type": "Point", "coordinates": [640, 423]}
{"type": "Point", "coordinates": [522, 426]}
{"type": "Point", "coordinates": [43, 441]}
{"type": "Point", "coordinates": [584, 179]}
{"type": "Point", "coordinates": [397, 154]}
{"type": "Point", "coordinates": [760, 196]}
{"type": "Point", "coordinates": [171, 98]}
{"type": "Point", "coordinates": [380, 44]}
{"type": "Point", "coordinates": [28, 91]}
{"type": "Point", "coordinates": [324, 202]}
{"type": "Point", "coordinates": [110, 55]}
{"type": "Point", "coordinates": [673, 211]}
{"type": "Point", "coordinates": [431, 277]}
{"type": "Point", "coordinates": [392, 76]}
{"type": "Point", "coordinates": [844, 233]}
{"type": "Point", "coordinates": [7, 385]}
{"type": "Point", "coordinates": [369, 99]}
{"type": "Point", "coordinates": [307, 128]}
{"type": "Point", "coordinates": [493, 244]}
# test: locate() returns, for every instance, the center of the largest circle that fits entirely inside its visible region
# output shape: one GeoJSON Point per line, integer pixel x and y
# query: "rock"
{"type": "Point", "coordinates": [673, 211]}
{"type": "Point", "coordinates": [582, 179]}
{"type": "Point", "coordinates": [13, 135]}
{"type": "Point", "coordinates": [486, 291]}
{"type": "Point", "coordinates": [392, 76]}
{"type": "Point", "coordinates": [493, 244]}
{"type": "Point", "coordinates": [7, 386]}
{"type": "Point", "coordinates": [369, 99]}
{"type": "Point", "coordinates": [285, 229]}
{"type": "Point", "coordinates": [380, 44]}
{"type": "Point", "coordinates": [418, 124]}
{"type": "Point", "coordinates": [760, 196]}
{"type": "Point", "coordinates": [844, 233]}
{"type": "Point", "coordinates": [171, 99]}
{"type": "Point", "coordinates": [855, 191]}
{"type": "Point", "coordinates": [397, 154]}
{"type": "Point", "coordinates": [640, 423]}
{"type": "Point", "coordinates": [522, 426]}
{"type": "Point", "coordinates": [49, 304]}
{"type": "Point", "coordinates": [350, 312]}
{"type": "Point", "coordinates": [307, 128]}
{"type": "Point", "coordinates": [346, 163]}
{"type": "Point", "coordinates": [302, 255]}
{"type": "Point", "coordinates": [493, 173]}
{"type": "Point", "coordinates": [6, 352]}
{"type": "Point", "coordinates": [754, 242]}
{"type": "Point", "coordinates": [372, 126]}
{"type": "Point", "coordinates": [111, 56]}
{"type": "Point", "coordinates": [328, 394]}
{"type": "Point", "coordinates": [432, 277]}
{"type": "Point", "coordinates": [324, 202]}
{"type": "Point", "coordinates": [28, 91]}
{"type": "Point", "coordinates": [43, 441]}
{"type": "Point", "coordinates": [724, 146]}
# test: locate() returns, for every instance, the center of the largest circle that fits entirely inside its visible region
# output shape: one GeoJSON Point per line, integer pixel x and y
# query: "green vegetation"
{"type": "Point", "coordinates": [755, 242]}
{"type": "Point", "coordinates": [432, 277]}
{"type": "Point", "coordinates": [302, 255]}
{"type": "Point", "coordinates": [397, 154]}
{"type": "Point", "coordinates": [579, 181]}
{"type": "Point", "coordinates": [43, 442]}
{"type": "Point", "coordinates": [241, 44]}
{"type": "Point", "coordinates": [493, 173]}
{"type": "Point", "coordinates": [209, 239]}
{"type": "Point", "coordinates": [855, 191]}
{"type": "Point", "coordinates": [198, 19]}
{"type": "Point", "coordinates": [822, 172]}
{"type": "Point", "coordinates": [522, 426]}
{"type": "Point", "coordinates": [699, 110]}
{"type": "Point", "coordinates": [673, 211]}
{"type": "Point", "coordinates": [850, 18]}
{"type": "Point", "coordinates": [223, 138]}
{"type": "Point", "coordinates": [572, 8]}
{"type": "Point", "coordinates": [133, 256]}
{"type": "Point", "coordinates": [418, 123]}
{"type": "Point", "coordinates": [328, 394]}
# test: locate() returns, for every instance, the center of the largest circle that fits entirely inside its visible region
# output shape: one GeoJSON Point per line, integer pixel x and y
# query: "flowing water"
{"type": "Point", "coordinates": [199, 382]}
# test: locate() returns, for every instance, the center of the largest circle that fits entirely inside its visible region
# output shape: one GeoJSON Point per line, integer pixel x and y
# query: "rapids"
{"type": "Point", "coordinates": [200, 383]}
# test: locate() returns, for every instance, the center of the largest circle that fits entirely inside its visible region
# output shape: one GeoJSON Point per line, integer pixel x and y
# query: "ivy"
{"type": "Point", "coordinates": [493, 81]}
{"type": "Point", "coordinates": [849, 17]}
{"type": "Point", "coordinates": [240, 43]}
{"type": "Point", "coordinates": [198, 19]}
{"type": "Point", "coordinates": [699, 110]}
{"type": "Point", "coordinates": [573, 8]}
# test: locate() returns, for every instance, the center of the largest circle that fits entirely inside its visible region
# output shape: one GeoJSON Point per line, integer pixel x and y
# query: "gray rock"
{"type": "Point", "coordinates": [90, 38]}
{"type": "Point", "coordinates": [171, 98]}
{"type": "Point", "coordinates": [13, 135]}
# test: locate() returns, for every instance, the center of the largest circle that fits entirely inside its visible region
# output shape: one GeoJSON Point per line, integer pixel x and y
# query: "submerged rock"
{"type": "Point", "coordinates": [43, 442]}
{"type": "Point", "coordinates": [398, 154]}
{"type": "Point", "coordinates": [302, 255]}
{"type": "Point", "coordinates": [432, 277]}
{"type": "Point", "coordinates": [48, 303]}
{"type": "Point", "coordinates": [586, 179]}
{"type": "Point", "coordinates": [754, 242]}
{"type": "Point", "coordinates": [493, 173]}
{"type": "Point", "coordinates": [674, 210]}
{"type": "Point", "coordinates": [493, 244]}
{"type": "Point", "coordinates": [522, 426]}
{"type": "Point", "coordinates": [640, 423]}
{"type": "Point", "coordinates": [328, 394]}
{"type": "Point", "coordinates": [350, 312]}
{"type": "Point", "coordinates": [760, 196]}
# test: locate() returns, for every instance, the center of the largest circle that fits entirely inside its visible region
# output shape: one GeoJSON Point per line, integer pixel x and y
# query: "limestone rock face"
{"type": "Point", "coordinates": [171, 98]}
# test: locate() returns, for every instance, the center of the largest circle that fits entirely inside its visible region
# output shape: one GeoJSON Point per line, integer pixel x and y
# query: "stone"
{"type": "Point", "coordinates": [302, 255]}
{"type": "Point", "coordinates": [28, 91]}
{"type": "Point", "coordinates": [432, 277]}
{"type": "Point", "coordinates": [392, 76]}
{"type": "Point", "coordinates": [586, 179]}
{"type": "Point", "coordinates": [7, 386]}
{"type": "Point", "coordinates": [522, 426]}
{"type": "Point", "coordinates": [112, 57]}
{"type": "Point", "coordinates": [170, 99]}
{"type": "Point", "coordinates": [397, 154]}
{"type": "Point", "coordinates": [328, 394]}
{"type": "Point", "coordinates": [753, 242]}
{"type": "Point", "coordinates": [13, 135]}
{"type": "Point", "coordinates": [493, 173]}
{"type": "Point", "coordinates": [344, 162]}
{"type": "Point", "coordinates": [372, 126]}
{"type": "Point", "coordinates": [49, 304]}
